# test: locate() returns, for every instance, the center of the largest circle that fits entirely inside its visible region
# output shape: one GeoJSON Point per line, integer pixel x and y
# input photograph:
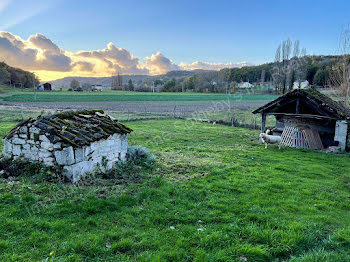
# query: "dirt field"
{"type": "Point", "coordinates": [144, 106]}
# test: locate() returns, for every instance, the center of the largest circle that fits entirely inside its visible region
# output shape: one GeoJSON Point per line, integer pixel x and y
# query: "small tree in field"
{"type": "Point", "coordinates": [74, 84]}
{"type": "Point", "coordinates": [130, 85]}
{"type": "Point", "coordinates": [117, 82]}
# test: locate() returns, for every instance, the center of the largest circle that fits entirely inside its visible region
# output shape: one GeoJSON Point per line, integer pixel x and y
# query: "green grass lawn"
{"type": "Point", "coordinates": [108, 95]}
{"type": "Point", "coordinates": [216, 195]}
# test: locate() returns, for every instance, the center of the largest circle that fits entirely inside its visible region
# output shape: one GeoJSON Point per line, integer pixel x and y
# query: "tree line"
{"type": "Point", "coordinates": [15, 77]}
{"type": "Point", "coordinates": [281, 74]}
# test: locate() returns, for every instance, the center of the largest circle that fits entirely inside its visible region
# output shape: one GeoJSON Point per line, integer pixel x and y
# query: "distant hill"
{"type": "Point", "coordinates": [106, 81]}
{"type": "Point", "coordinates": [315, 69]}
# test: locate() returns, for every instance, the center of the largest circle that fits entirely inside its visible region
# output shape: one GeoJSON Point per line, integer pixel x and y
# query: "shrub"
{"type": "Point", "coordinates": [138, 161]}
{"type": "Point", "coordinates": [12, 168]}
{"type": "Point", "coordinates": [20, 168]}
{"type": "Point", "coordinates": [140, 156]}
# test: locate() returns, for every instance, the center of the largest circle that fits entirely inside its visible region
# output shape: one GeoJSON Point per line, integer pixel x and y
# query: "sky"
{"type": "Point", "coordinates": [58, 38]}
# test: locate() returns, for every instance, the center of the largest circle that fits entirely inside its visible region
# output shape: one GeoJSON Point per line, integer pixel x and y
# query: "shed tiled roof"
{"type": "Point", "coordinates": [76, 128]}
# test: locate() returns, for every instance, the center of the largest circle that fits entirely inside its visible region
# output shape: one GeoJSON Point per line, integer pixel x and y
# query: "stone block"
{"type": "Point", "coordinates": [49, 161]}
{"type": "Point", "coordinates": [116, 137]}
{"type": "Point", "coordinates": [16, 150]}
{"type": "Point", "coordinates": [24, 136]}
{"type": "Point", "coordinates": [96, 145]}
{"type": "Point", "coordinates": [112, 156]}
{"type": "Point", "coordinates": [77, 171]}
{"type": "Point", "coordinates": [79, 155]}
{"type": "Point", "coordinates": [34, 149]}
{"type": "Point", "coordinates": [7, 146]}
{"type": "Point", "coordinates": [87, 151]}
{"type": "Point", "coordinates": [27, 153]}
{"type": "Point", "coordinates": [26, 147]}
{"type": "Point", "coordinates": [18, 141]}
{"type": "Point", "coordinates": [123, 156]}
{"type": "Point", "coordinates": [110, 143]}
{"type": "Point", "coordinates": [6, 155]}
{"type": "Point", "coordinates": [65, 157]}
{"type": "Point", "coordinates": [34, 130]}
{"type": "Point", "coordinates": [43, 154]}
{"type": "Point", "coordinates": [31, 142]}
{"type": "Point", "coordinates": [47, 145]}
{"type": "Point", "coordinates": [43, 138]}
{"type": "Point", "coordinates": [32, 157]}
{"type": "Point", "coordinates": [57, 146]}
{"type": "Point", "coordinates": [23, 130]}
{"type": "Point", "coordinates": [124, 143]}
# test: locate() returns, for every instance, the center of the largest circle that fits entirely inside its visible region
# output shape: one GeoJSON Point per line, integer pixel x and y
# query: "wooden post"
{"type": "Point", "coordinates": [233, 117]}
{"type": "Point", "coordinates": [297, 106]}
{"type": "Point", "coordinates": [263, 122]}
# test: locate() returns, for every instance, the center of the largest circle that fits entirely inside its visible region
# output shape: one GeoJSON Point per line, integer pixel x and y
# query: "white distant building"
{"type": "Point", "coordinates": [245, 85]}
{"type": "Point", "coordinates": [300, 84]}
{"type": "Point", "coordinates": [97, 88]}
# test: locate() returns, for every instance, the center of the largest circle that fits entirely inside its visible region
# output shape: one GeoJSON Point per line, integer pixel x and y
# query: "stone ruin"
{"type": "Point", "coordinates": [77, 141]}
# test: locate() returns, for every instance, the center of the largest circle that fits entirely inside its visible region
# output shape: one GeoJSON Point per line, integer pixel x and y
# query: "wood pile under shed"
{"type": "Point", "coordinates": [301, 137]}
{"type": "Point", "coordinates": [326, 120]}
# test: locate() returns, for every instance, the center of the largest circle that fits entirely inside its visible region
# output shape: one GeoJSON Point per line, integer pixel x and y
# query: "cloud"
{"type": "Point", "coordinates": [83, 66]}
{"type": "Point", "coordinates": [211, 66]}
{"type": "Point", "coordinates": [116, 59]}
{"type": "Point", "coordinates": [36, 53]}
{"type": "Point", "coordinates": [40, 54]}
{"type": "Point", "coordinates": [159, 64]}
{"type": "Point", "coordinates": [42, 42]}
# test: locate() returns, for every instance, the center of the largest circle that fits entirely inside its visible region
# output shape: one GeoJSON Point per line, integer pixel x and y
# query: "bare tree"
{"type": "Point", "coordinates": [262, 76]}
{"type": "Point", "coordinates": [278, 54]}
{"type": "Point", "coordinates": [287, 68]}
{"type": "Point", "coordinates": [296, 50]}
{"type": "Point", "coordinates": [296, 67]}
{"type": "Point", "coordinates": [286, 50]}
{"type": "Point", "coordinates": [340, 73]}
{"type": "Point", "coordinates": [117, 82]}
{"type": "Point", "coordinates": [276, 76]}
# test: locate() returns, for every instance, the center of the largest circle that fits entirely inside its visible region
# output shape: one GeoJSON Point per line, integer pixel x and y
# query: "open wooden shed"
{"type": "Point", "coordinates": [307, 114]}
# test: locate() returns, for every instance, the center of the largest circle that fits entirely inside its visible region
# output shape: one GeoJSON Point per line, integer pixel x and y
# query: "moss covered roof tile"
{"type": "Point", "coordinates": [76, 128]}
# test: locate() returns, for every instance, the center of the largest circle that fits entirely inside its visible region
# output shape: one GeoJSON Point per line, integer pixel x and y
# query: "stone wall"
{"type": "Point", "coordinates": [32, 144]}
{"type": "Point", "coordinates": [341, 132]}
{"type": "Point", "coordinates": [80, 161]}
